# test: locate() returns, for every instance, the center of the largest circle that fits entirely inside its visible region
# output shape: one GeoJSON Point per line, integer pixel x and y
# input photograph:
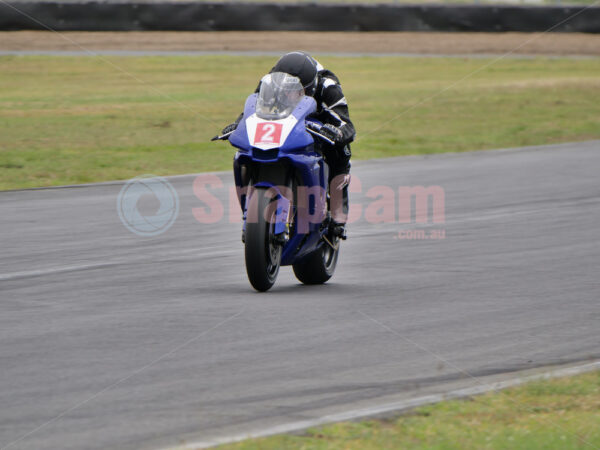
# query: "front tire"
{"type": "Point", "coordinates": [319, 266]}
{"type": "Point", "coordinates": [263, 254]}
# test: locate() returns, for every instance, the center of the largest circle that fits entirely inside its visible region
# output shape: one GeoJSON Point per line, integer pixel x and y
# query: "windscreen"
{"type": "Point", "coordinates": [278, 96]}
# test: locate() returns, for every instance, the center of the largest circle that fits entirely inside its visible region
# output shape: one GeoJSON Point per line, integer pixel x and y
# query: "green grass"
{"type": "Point", "coordinates": [560, 414]}
{"type": "Point", "coordinates": [81, 119]}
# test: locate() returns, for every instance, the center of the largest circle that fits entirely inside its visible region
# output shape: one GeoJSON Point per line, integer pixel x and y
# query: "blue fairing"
{"type": "Point", "coordinates": [297, 150]}
{"type": "Point", "coordinates": [239, 138]}
{"type": "Point", "coordinates": [298, 138]}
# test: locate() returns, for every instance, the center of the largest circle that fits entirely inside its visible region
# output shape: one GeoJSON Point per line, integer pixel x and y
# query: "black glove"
{"type": "Point", "coordinates": [332, 133]}
{"type": "Point", "coordinates": [229, 128]}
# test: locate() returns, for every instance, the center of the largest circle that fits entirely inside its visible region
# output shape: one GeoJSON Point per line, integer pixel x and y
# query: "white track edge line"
{"type": "Point", "coordinates": [393, 407]}
{"type": "Point", "coordinates": [101, 265]}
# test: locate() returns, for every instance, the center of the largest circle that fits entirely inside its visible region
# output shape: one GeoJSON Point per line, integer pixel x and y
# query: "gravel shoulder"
{"type": "Point", "coordinates": [556, 44]}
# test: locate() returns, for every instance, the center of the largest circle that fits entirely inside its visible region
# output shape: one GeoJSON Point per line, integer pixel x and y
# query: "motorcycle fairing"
{"type": "Point", "coordinates": [296, 149]}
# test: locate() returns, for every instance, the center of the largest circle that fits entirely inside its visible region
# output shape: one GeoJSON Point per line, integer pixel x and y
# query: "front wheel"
{"type": "Point", "coordinates": [263, 253]}
{"type": "Point", "coordinates": [318, 267]}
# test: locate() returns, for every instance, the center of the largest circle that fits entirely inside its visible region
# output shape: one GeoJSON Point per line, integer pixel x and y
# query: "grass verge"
{"type": "Point", "coordinates": [83, 119]}
{"type": "Point", "coordinates": [556, 414]}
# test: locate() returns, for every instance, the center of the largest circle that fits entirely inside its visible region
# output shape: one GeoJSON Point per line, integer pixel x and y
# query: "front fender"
{"type": "Point", "coordinates": [283, 206]}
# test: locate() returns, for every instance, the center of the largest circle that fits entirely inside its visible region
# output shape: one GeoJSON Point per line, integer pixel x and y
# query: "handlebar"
{"type": "Point", "coordinates": [312, 127]}
{"type": "Point", "coordinates": [222, 137]}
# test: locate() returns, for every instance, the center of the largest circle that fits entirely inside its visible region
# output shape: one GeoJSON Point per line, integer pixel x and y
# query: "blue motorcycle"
{"type": "Point", "coordinates": [282, 185]}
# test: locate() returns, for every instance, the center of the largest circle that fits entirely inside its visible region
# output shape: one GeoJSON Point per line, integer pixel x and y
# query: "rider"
{"type": "Point", "coordinates": [332, 111]}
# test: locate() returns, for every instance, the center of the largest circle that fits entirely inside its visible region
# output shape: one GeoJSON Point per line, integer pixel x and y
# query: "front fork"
{"type": "Point", "coordinates": [288, 206]}
{"type": "Point", "coordinates": [281, 201]}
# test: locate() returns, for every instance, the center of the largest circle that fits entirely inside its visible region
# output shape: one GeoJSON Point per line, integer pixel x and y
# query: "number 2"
{"type": "Point", "coordinates": [268, 133]}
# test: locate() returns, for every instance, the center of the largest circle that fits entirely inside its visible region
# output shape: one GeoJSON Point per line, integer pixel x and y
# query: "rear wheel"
{"type": "Point", "coordinates": [318, 267]}
{"type": "Point", "coordinates": [263, 253]}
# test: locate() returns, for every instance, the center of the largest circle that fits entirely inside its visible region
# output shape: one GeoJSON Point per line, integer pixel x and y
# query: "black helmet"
{"type": "Point", "coordinates": [301, 65]}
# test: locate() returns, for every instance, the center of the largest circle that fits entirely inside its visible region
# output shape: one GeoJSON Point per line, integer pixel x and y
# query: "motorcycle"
{"type": "Point", "coordinates": [282, 183]}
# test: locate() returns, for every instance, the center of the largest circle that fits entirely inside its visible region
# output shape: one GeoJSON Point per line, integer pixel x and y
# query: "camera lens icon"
{"type": "Point", "coordinates": [161, 192]}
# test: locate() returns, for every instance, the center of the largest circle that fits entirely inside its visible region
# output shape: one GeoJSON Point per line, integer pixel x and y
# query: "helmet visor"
{"type": "Point", "coordinates": [278, 96]}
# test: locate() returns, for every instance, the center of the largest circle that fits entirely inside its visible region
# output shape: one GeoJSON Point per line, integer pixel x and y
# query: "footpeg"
{"type": "Point", "coordinates": [338, 230]}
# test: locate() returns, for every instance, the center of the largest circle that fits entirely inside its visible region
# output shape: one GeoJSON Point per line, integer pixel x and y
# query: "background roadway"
{"type": "Point", "coordinates": [383, 43]}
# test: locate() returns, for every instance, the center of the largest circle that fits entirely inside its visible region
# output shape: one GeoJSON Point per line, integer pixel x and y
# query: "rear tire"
{"type": "Point", "coordinates": [263, 255]}
{"type": "Point", "coordinates": [319, 266]}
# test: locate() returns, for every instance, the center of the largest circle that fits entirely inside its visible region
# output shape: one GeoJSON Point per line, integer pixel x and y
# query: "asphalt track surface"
{"type": "Point", "coordinates": [112, 340]}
